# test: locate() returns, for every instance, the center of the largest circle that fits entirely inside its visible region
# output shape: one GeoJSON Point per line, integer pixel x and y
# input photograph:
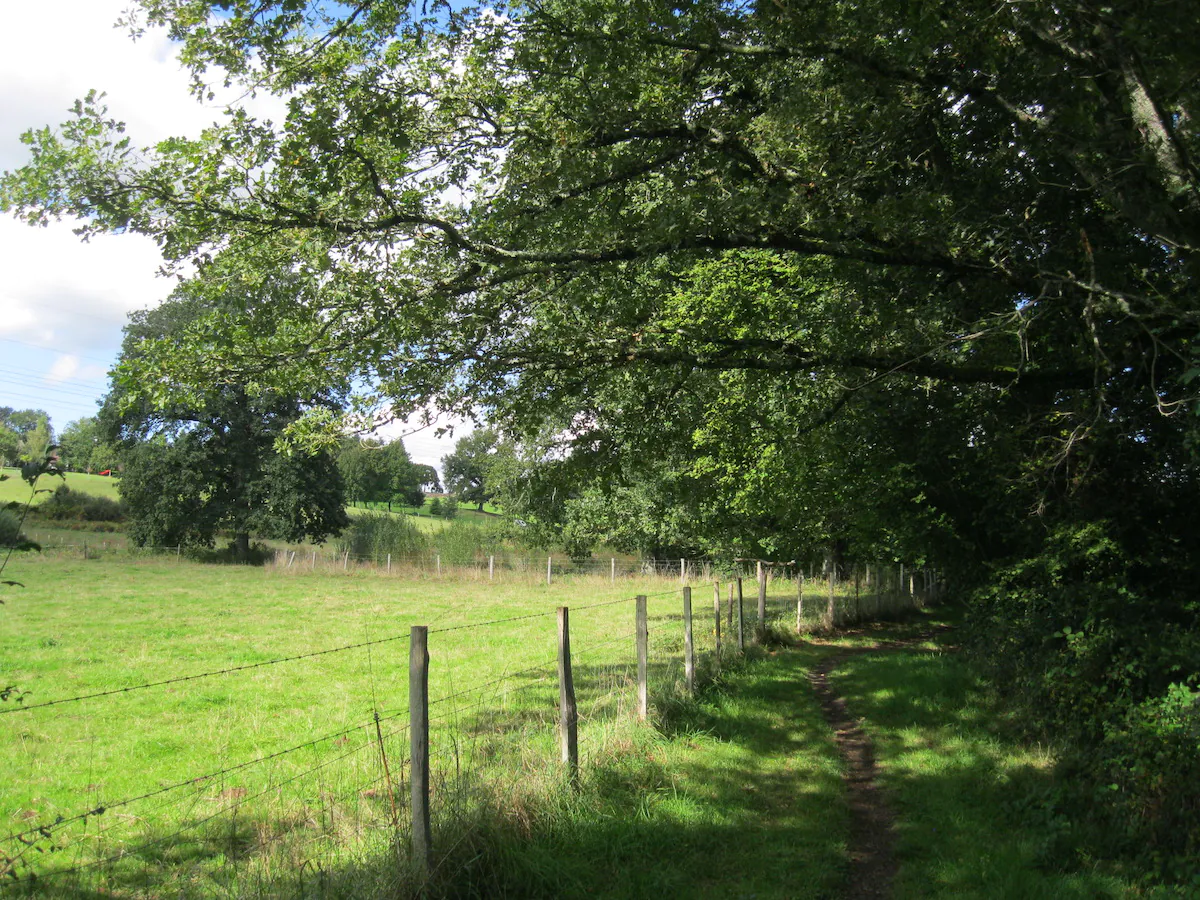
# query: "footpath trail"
{"type": "Point", "coordinates": [870, 850]}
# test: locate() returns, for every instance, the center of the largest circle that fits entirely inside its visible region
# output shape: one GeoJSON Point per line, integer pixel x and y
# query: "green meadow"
{"type": "Point", "coordinates": [275, 779]}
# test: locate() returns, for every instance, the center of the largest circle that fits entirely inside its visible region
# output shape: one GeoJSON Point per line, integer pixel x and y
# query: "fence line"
{"type": "Point", "coordinates": [26, 707]}
{"type": "Point", "coordinates": [676, 641]}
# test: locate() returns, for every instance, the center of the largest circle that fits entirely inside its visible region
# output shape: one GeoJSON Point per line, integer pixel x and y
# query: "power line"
{"type": "Point", "coordinates": [59, 350]}
{"type": "Point", "coordinates": [32, 385]}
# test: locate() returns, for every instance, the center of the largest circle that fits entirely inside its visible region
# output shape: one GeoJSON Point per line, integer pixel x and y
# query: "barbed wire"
{"type": "Point", "coordinates": [495, 681]}
{"type": "Point", "coordinates": [194, 825]}
{"type": "Point", "coordinates": [537, 615]}
{"type": "Point", "coordinates": [198, 676]}
{"type": "Point", "coordinates": [99, 810]}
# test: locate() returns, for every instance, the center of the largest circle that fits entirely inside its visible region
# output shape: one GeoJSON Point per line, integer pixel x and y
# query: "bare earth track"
{"type": "Point", "coordinates": [872, 860]}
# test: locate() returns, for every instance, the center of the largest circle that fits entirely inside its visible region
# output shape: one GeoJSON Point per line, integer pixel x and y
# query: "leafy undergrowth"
{"type": "Point", "coordinates": [975, 807]}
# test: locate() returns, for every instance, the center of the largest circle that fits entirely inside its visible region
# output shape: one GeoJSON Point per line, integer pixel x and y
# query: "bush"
{"type": "Point", "coordinates": [464, 543]}
{"type": "Point", "coordinates": [374, 535]}
{"type": "Point", "coordinates": [1103, 651]}
{"type": "Point", "coordinates": [68, 505]}
{"type": "Point", "coordinates": [10, 528]}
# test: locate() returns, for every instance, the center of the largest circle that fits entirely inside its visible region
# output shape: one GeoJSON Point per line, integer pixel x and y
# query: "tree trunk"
{"type": "Point", "coordinates": [241, 545]}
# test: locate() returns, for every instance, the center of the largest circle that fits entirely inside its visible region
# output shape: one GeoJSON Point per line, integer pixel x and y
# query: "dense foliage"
{"type": "Point", "coordinates": [207, 461]}
{"type": "Point", "coordinates": [82, 447]}
{"type": "Point", "coordinates": [470, 468]}
{"type": "Point", "coordinates": [880, 277]}
{"type": "Point", "coordinates": [24, 435]}
{"type": "Point", "coordinates": [68, 505]}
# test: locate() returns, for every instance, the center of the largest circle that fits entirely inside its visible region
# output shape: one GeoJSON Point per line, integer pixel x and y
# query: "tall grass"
{"type": "Point", "coordinates": [375, 535]}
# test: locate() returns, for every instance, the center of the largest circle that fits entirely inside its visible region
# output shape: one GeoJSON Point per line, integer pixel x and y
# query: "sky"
{"type": "Point", "coordinates": [63, 302]}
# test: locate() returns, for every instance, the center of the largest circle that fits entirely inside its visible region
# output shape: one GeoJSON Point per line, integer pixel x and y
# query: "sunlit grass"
{"type": "Point", "coordinates": [15, 489]}
{"type": "Point", "coordinates": [974, 805]}
{"type": "Point", "coordinates": [81, 627]}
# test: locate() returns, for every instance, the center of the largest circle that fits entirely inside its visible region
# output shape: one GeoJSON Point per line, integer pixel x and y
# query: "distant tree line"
{"type": "Point", "coordinates": [376, 472]}
{"type": "Point", "coordinates": [24, 434]}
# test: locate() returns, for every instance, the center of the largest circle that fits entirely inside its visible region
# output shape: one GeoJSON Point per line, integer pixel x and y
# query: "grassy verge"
{"type": "Point", "coordinates": [974, 805]}
{"type": "Point", "coordinates": [736, 794]}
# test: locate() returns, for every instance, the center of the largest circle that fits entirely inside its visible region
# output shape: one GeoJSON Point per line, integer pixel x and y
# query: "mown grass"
{"type": "Point", "coordinates": [14, 489]}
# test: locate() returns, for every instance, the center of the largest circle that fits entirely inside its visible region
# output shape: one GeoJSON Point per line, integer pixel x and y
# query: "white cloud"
{"type": "Point", "coordinates": [53, 53]}
{"type": "Point", "coordinates": [423, 443]}
{"type": "Point", "coordinates": [55, 291]}
{"type": "Point", "coordinates": [72, 368]}
{"type": "Point", "coordinates": [58, 292]}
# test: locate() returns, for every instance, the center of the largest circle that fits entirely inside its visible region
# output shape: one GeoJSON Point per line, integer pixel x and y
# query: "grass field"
{"type": "Point", "coordinates": [14, 489]}
{"type": "Point", "coordinates": [270, 781]}
{"type": "Point", "coordinates": [81, 627]}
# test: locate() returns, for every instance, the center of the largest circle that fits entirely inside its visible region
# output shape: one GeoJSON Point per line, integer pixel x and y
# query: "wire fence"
{"type": "Point", "coordinates": [496, 694]}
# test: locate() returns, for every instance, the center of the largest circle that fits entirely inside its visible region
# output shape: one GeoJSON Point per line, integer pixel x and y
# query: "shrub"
{"type": "Point", "coordinates": [1102, 652]}
{"type": "Point", "coordinates": [465, 543]}
{"type": "Point", "coordinates": [374, 535]}
{"type": "Point", "coordinates": [10, 528]}
{"type": "Point", "coordinates": [68, 505]}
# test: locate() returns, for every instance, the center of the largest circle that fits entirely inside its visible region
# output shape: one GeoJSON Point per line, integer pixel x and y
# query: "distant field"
{"type": "Point", "coordinates": [13, 488]}
{"type": "Point", "coordinates": [465, 513]}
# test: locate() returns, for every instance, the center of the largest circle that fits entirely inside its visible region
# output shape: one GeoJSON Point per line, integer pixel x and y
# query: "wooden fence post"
{"type": "Point", "coordinates": [314, 561]}
{"type": "Point", "coordinates": [438, 560]}
{"type": "Point", "coordinates": [717, 614]}
{"type": "Point", "coordinates": [389, 564]}
{"type": "Point", "coordinates": [418, 729]}
{"type": "Point", "coordinates": [741, 617]}
{"type": "Point", "coordinates": [761, 629]}
{"type": "Point", "coordinates": [491, 568]}
{"type": "Point", "coordinates": [613, 562]}
{"type": "Point", "coordinates": [549, 569]}
{"type": "Point", "coordinates": [568, 713]}
{"type": "Point", "coordinates": [879, 587]}
{"type": "Point", "coordinates": [689, 650]}
{"type": "Point", "coordinates": [643, 658]}
{"type": "Point", "coordinates": [346, 561]}
{"type": "Point", "coordinates": [683, 571]}
{"type": "Point", "coordinates": [799, 600]}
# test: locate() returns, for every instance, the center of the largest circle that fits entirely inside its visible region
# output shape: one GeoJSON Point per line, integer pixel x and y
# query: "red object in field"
{"type": "Point", "coordinates": [106, 472]}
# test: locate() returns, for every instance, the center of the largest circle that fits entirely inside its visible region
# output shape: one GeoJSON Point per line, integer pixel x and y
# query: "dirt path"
{"type": "Point", "coordinates": [872, 860]}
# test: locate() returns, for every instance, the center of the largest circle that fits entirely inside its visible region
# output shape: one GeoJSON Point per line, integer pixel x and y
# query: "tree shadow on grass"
{"type": "Point", "coordinates": [741, 797]}
{"type": "Point", "coordinates": [736, 794]}
{"type": "Point", "coordinates": [976, 812]}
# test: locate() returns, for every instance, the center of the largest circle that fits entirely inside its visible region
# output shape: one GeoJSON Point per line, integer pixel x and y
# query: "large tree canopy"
{"type": "Point", "coordinates": [206, 460]}
{"type": "Point", "coordinates": [911, 276]}
{"type": "Point", "coordinates": [514, 207]}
